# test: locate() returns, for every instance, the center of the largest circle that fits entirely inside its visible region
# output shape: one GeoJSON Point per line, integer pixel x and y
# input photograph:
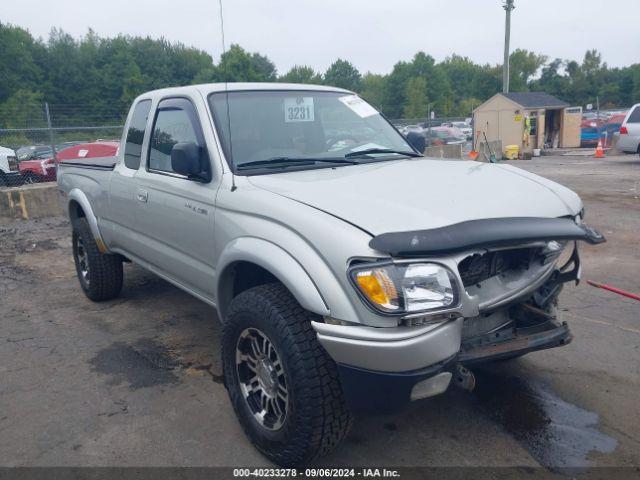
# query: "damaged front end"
{"type": "Point", "coordinates": [521, 327]}
{"type": "Point", "coordinates": [461, 295]}
{"type": "Point", "coordinates": [510, 271]}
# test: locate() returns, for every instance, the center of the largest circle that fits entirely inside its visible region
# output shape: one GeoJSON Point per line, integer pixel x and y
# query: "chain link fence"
{"type": "Point", "coordinates": [425, 122]}
{"type": "Point", "coordinates": [33, 136]}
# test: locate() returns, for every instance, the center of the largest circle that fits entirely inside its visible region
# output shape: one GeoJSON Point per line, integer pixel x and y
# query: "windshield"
{"type": "Point", "coordinates": [296, 128]}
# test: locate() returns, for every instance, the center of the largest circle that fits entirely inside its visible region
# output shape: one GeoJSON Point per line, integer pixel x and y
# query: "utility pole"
{"type": "Point", "coordinates": [508, 7]}
{"type": "Point", "coordinates": [53, 145]}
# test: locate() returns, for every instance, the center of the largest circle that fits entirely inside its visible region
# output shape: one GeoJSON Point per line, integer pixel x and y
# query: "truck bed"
{"type": "Point", "coordinates": [90, 176]}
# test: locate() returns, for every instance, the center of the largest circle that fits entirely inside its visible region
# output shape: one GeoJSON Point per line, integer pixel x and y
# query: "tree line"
{"type": "Point", "coordinates": [101, 76]}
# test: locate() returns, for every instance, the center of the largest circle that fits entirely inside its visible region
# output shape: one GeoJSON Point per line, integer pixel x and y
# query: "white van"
{"type": "Point", "coordinates": [628, 139]}
{"type": "Point", "coordinates": [8, 166]}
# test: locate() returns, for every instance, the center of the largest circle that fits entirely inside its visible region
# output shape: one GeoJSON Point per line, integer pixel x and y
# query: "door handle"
{"type": "Point", "coordinates": [143, 196]}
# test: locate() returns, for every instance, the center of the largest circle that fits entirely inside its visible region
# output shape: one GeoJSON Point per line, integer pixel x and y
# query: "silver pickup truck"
{"type": "Point", "coordinates": [348, 271]}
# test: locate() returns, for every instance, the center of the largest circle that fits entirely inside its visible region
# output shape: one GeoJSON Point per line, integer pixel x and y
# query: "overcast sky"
{"type": "Point", "coordinates": [370, 33]}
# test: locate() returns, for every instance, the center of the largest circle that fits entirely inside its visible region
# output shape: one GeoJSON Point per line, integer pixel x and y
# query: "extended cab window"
{"type": "Point", "coordinates": [135, 134]}
{"type": "Point", "coordinates": [176, 122]}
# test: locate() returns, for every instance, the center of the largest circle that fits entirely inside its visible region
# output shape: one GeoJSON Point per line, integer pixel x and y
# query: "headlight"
{"type": "Point", "coordinates": [565, 256]}
{"type": "Point", "coordinates": [558, 252]}
{"type": "Point", "coordinates": [397, 289]}
{"type": "Point", "coordinates": [552, 250]}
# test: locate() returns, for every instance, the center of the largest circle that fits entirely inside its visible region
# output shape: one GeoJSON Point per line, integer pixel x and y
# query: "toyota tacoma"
{"type": "Point", "coordinates": [349, 272]}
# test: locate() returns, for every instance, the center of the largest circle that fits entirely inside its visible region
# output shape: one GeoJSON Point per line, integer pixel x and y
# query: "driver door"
{"type": "Point", "coordinates": [175, 213]}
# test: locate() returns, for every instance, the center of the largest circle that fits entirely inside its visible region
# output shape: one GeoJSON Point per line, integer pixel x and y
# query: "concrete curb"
{"type": "Point", "coordinates": [32, 201]}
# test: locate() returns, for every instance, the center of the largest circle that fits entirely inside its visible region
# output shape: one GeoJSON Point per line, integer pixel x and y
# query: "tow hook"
{"type": "Point", "coordinates": [464, 378]}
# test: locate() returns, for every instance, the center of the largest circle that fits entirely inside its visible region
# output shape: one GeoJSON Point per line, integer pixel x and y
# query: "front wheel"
{"type": "Point", "coordinates": [283, 386]}
{"type": "Point", "coordinates": [100, 274]}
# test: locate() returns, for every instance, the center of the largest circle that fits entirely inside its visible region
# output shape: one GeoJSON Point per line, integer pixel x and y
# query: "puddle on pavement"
{"type": "Point", "coordinates": [557, 434]}
{"type": "Point", "coordinates": [147, 363]}
{"type": "Point", "coordinates": [144, 364]}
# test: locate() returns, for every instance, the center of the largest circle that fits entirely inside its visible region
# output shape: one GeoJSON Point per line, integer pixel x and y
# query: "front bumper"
{"type": "Point", "coordinates": [514, 342]}
{"type": "Point", "coordinates": [390, 350]}
{"type": "Point", "coordinates": [386, 391]}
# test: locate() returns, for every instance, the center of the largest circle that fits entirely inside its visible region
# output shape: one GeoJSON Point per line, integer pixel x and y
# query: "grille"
{"type": "Point", "coordinates": [13, 163]}
{"type": "Point", "coordinates": [479, 267]}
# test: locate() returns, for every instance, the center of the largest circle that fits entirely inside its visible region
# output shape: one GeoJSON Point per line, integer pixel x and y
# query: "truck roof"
{"type": "Point", "coordinates": [207, 88]}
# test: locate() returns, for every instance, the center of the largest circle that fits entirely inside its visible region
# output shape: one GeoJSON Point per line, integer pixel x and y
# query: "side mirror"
{"type": "Point", "coordinates": [186, 159]}
{"type": "Point", "coordinates": [417, 141]}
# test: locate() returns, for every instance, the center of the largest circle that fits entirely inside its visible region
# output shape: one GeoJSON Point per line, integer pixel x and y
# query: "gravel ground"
{"type": "Point", "coordinates": [136, 381]}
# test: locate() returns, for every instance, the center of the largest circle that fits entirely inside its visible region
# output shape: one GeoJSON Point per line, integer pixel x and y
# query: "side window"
{"type": "Point", "coordinates": [175, 122]}
{"type": "Point", "coordinates": [635, 116]}
{"type": "Point", "coordinates": [135, 134]}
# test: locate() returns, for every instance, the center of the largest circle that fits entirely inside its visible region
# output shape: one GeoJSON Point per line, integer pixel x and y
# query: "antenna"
{"type": "Point", "coordinates": [226, 89]}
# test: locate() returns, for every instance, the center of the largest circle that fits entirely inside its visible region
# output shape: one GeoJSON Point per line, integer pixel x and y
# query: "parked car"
{"type": "Point", "coordinates": [44, 170]}
{"type": "Point", "coordinates": [589, 136]}
{"type": "Point", "coordinates": [445, 136]}
{"type": "Point", "coordinates": [32, 152]}
{"type": "Point", "coordinates": [610, 128]}
{"type": "Point", "coordinates": [358, 278]}
{"type": "Point", "coordinates": [464, 127]}
{"type": "Point", "coordinates": [437, 136]}
{"type": "Point", "coordinates": [411, 128]}
{"type": "Point", "coordinates": [628, 138]}
{"type": "Point", "coordinates": [8, 166]}
{"type": "Point", "coordinates": [595, 116]}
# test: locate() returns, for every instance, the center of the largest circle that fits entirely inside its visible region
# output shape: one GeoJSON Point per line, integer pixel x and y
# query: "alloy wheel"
{"type": "Point", "coordinates": [262, 378]}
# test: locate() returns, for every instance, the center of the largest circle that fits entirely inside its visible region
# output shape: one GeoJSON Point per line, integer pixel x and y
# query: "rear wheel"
{"type": "Point", "coordinates": [29, 179]}
{"type": "Point", "coordinates": [100, 274]}
{"type": "Point", "coordinates": [3, 179]}
{"type": "Point", "coordinates": [282, 384]}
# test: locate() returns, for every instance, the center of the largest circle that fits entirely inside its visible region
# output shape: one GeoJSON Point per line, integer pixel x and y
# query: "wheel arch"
{"type": "Point", "coordinates": [247, 262]}
{"type": "Point", "coordinates": [80, 207]}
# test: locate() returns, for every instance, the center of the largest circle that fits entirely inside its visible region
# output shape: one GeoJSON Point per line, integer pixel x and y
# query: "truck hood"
{"type": "Point", "coordinates": [421, 194]}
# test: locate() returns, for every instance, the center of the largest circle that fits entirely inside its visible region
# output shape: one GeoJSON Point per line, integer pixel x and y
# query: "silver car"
{"type": "Point", "coordinates": [628, 139]}
{"type": "Point", "coordinates": [349, 272]}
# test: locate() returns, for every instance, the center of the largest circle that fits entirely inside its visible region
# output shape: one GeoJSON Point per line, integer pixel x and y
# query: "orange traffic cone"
{"type": "Point", "coordinates": [473, 154]}
{"type": "Point", "coordinates": [599, 150]}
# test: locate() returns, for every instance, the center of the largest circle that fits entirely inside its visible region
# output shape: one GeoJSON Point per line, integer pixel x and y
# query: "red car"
{"type": "Point", "coordinates": [44, 170]}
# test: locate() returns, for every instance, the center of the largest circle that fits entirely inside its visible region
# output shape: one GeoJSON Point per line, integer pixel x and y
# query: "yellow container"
{"type": "Point", "coordinates": [511, 152]}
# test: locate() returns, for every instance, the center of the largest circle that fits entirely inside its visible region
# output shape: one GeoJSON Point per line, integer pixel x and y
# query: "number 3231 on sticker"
{"type": "Point", "coordinates": [298, 109]}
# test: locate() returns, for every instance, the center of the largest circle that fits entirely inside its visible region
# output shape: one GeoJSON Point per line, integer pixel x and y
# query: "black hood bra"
{"type": "Point", "coordinates": [485, 233]}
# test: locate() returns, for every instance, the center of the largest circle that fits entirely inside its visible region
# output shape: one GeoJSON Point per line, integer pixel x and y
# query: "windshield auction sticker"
{"type": "Point", "coordinates": [359, 106]}
{"type": "Point", "coordinates": [298, 109]}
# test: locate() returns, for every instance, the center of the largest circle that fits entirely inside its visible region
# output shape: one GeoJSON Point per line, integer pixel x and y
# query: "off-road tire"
{"type": "Point", "coordinates": [317, 418]}
{"type": "Point", "coordinates": [105, 270]}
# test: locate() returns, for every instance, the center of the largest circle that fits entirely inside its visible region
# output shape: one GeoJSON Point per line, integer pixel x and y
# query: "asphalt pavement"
{"type": "Point", "coordinates": [137, 381]}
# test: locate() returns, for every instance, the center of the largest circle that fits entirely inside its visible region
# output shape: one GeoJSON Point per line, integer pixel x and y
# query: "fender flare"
{"type": "Point", "coordinates": [276, 261]}
{"type": "Point", "coordinates": [79, 196]}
